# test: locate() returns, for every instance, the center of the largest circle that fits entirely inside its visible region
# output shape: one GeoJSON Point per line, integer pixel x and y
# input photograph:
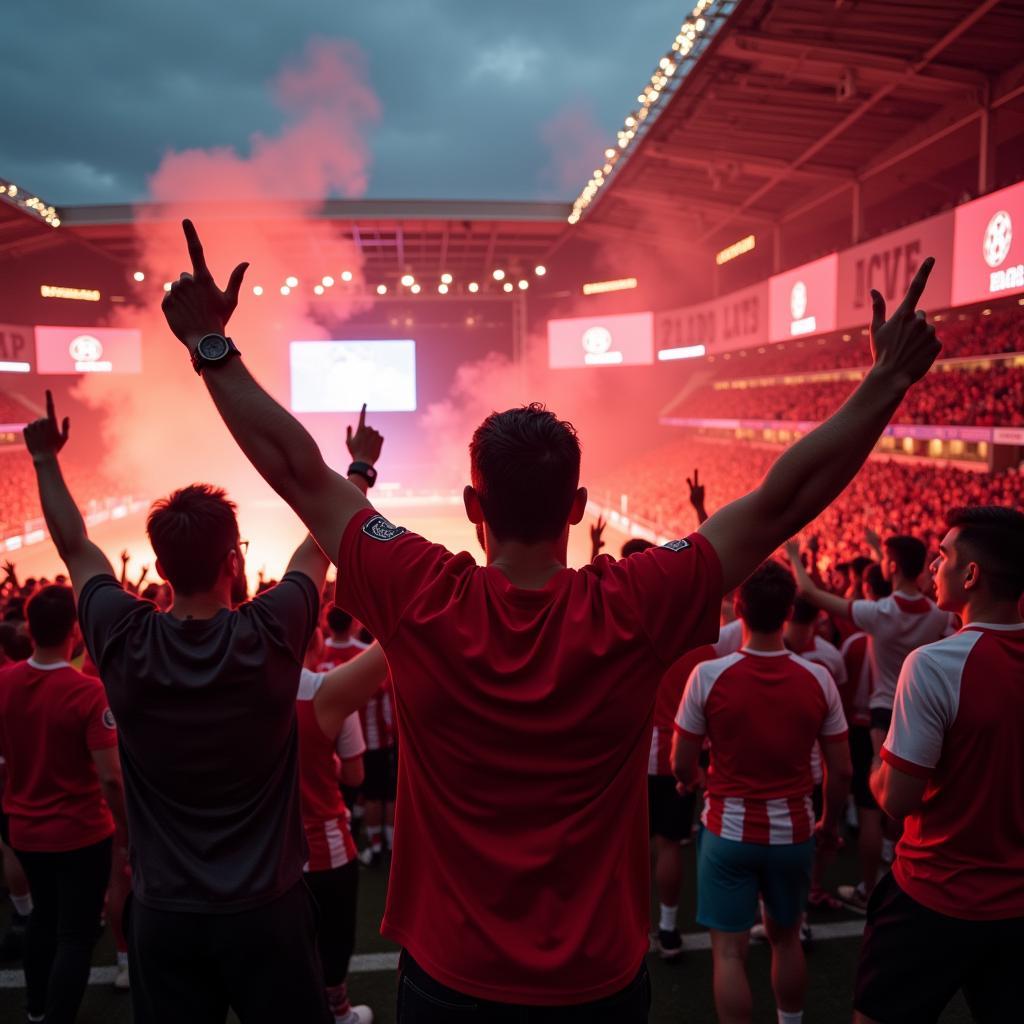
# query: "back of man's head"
{"type": "Point", "coordinates": [339, 622]}
{"type": "Point", "coordinates": [993, 537]}
{"type": "Point", "coordinates": [525, 466]}
{"type": "Point", "coordinates": [874, 579]}
{"type": "Point", "coordinates": [859, 565]}
{"type": "Point", "coordinates": [51, 615]}
{"type": "Point", "coordinates": [192, 531]}
{"type": "Point", "coordinates": [908, 553]}
{"type": "Point", "coordinates": [635, 545]}
{"type": "Point", "coordinates": [766, 598]}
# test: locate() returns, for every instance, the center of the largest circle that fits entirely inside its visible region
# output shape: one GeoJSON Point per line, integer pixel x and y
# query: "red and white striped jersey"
{"type": "Point", "coordinates": [763, 712]}
{"type": "Point", "coordinates": [821, 652]}
{"type": "Point", "coordinates": [325, 817]}
{"type": "Point", "coordinates": [857, 692]}
{"type": "Point", "coordinates": [958, 722]}
{"type": "Point", "coordinates": [378, 718]}
{"type": "Point", "coordinates": [670, 692]}
{"type": "Point", "coordinates": [896, 625]}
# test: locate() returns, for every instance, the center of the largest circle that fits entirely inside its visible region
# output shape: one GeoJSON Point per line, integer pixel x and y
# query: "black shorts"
{"type": "Point", "coordinates": [671, 815]}
{"type": "Point", "coordinates": [861, 755]}
{"type": "Point", "coordinates": [881, 718]}
{"type": "Point", "coordinates": [914, 960]}
{"type": "Point", "coordinates": [380, 779]}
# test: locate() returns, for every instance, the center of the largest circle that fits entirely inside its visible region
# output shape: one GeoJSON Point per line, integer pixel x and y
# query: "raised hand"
{"type": "Point", "coordinates": [44, 438]}
{"type": "Point", "coordinates": [597, 537]}
{"type": "Point", "coordinates": [125, 558]}
{"type": "Point", "coordinates": [873, 539]}
{"type": "Point", "coordinates": [792, 549]}
{"type": "Point", "coordinates": [195, 306]}
{"type": "Point", "coordinates": [905, 345]}
{"type": "Point", "coordinates": [697, 495]}
{"type": "Point", "coordinates": [365, 443]}
{"type": "Point", "coordinates": [9, 570]}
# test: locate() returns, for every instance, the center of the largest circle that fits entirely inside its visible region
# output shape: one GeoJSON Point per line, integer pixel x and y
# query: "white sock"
{"type": "Point", "coordinates": [22, 904]}
{"type": "Point", "coordinates": [122, 959]}
{"type": "Point", "coordinates": [668, 918]}
{"type": "Point", "coordinates": [791, 1018]}
{"type": "Point", "coordinates": [389, 835]}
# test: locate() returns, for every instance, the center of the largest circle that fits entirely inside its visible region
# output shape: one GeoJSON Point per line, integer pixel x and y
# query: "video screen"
{"type": "Point", "coordinates": [988, 253]}
{"type": "Point", "coordinates": [76, 350]}
{"type": "Point", "coordinates": [339, 376]}
{"type": "Point", "coordinates": [803, 300]}
{"type": "Point", "coordinates": [625, 339]}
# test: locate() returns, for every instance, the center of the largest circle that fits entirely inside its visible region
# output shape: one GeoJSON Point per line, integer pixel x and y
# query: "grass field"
{"type": "Point", "coordinates": [682, 991]}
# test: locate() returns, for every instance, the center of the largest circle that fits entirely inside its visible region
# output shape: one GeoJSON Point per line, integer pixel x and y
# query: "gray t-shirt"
{"type": "Point", "coordinates": [205, 711]}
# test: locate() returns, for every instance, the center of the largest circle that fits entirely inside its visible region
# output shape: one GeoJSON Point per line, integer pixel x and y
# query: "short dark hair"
{"type": "Point", "coordinates": [338, 620]}
{"type": "Point", "coordinates": [908, 553]}
{"type": "Point", "coordinates": [51, 615]}
{"type": "Point", "coordinates": [860, 564]}
{"type": "Point", "coordinates": [192, 531]}
{"type": "Point", "coordinates": [994, 538]}
{"type": "Point", "coordinates": [767, 596]}
{"type": "Point", "coordinates": [634, 546]}
{"type": "Point", "coordinates": [525, 466]}
{"type": "Point", "coordinates": [804, 612]}
{"type": "Point", "coordinates": [875, 579]}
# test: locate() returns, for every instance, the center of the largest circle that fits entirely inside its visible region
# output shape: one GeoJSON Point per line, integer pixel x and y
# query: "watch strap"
{"type": "Point", "coordinates": [365, 470]}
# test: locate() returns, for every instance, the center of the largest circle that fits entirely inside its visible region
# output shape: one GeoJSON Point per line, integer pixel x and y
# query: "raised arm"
{"type": "Point", "coordinates": [697, 496]}
{"type": "Point", "coordinates": [44, 440]}
{"type": "Point", "coordinates": [280, 448]}
{"type": "Point", "coordinates": [811, 474]}
{"type": "Point", "coordinates": [834, 604]}
{"type": "Point", "coordinates": [347, 688]}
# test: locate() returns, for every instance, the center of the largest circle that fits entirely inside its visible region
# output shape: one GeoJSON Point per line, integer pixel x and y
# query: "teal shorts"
{"type": "Point", "coordinates": [730, 876]}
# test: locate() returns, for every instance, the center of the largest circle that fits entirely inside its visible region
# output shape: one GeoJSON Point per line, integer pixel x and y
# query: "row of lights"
{"type": "Point", "coordinates": [407, 281]}
{"type": "Point", "coordinates": [682, 47]}
{"type": "Point", "coordinates": [10, 192]}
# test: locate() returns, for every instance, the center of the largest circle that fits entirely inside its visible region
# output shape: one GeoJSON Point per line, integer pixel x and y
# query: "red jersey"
{"type": "Point", "coordinates": [958, 722]}
{"type": "Point", "coordinates": [856, 693]}
{"type": "Point", "coordinates": [51, 719]}
{"type": "Point", "coordinates": [763, 712]}
{"type": "Point", "coordinates": [520, 869]}
{"type": "Point", "coordinates": [337, 652]}
{"type": "Point", "coordinates": [325, 818]}
{"type": "Point", "coordinates": [377, 716]}
{"type": "Point", "coordinates": [670, 693]}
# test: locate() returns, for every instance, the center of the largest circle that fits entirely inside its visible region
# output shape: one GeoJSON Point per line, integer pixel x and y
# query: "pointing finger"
{"type": "Point", "coordinates": [916, 288]}
{"type": "Point", "coordinates": [362, 417]}
{"type": "Point", "coordinates": [51, 413]}
{"type": "Point", "coordinates": [195, 248]}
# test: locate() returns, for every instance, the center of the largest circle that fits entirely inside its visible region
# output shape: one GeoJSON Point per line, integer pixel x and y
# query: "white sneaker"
{"type": "Point", "coordinates": [758, 932]}
{"type": "Point", "coordinates": [356, 1015]}
{"type": "Point", "coordinates": [366, 857]}
{"type": "Point", "coordinates": [122, 982]}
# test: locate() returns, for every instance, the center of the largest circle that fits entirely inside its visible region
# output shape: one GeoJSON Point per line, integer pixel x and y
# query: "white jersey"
{"type": "Point", "coordinates": [897, 625]}
{"type": "Point", "coordinates": [825, 654]}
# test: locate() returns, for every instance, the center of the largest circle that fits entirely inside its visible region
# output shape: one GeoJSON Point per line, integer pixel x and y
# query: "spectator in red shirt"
{"type": "Point", "coordinates": [64, 800]}
{"type": "Point", "coordinates": [525, 690]}
{"type": "Point", "coordinates": [950, 915]}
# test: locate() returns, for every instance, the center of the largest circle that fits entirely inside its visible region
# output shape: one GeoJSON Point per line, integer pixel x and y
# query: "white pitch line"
{"type": "Point", "coordinates": [368, 963]}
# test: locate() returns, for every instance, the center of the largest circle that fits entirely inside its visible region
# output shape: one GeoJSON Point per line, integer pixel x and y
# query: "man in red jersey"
{"type": "Point", "coordinates": [763, 708]}
{"type": "Point", "coordinates": [524, 690]}
{"type": "Point", "coordinates": [64, 800]}
{"type": "Point", "coordinates": [951, 913]}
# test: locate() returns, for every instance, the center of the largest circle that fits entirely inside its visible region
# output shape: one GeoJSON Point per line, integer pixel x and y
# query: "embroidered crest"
{"type": "Point", "coordinates": [108, 719]}
{"type": "Point", "coordinates": [379, 528]}
{"type": "Point", "coordinates": [677, 545]}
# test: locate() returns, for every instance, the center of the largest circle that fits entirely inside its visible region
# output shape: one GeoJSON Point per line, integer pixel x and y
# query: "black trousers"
{"type": "Point", "coordinates": [262, 963]}
{"type": "Point", "coordinates": [422, 1000]}
{"type": "Point", "coordinates": [67, 896]}
{"type": "Point", "coordinates": [335, 892]}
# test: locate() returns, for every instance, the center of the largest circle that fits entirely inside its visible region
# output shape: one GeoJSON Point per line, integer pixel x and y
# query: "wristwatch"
{"type": "Point", "coordinates": [365, 470]}
{"type": "Point", "coordinates": [213, 350]}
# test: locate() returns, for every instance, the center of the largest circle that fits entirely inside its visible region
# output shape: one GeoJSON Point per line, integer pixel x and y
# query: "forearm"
{"type": "Point", "coordinates": [812, 473]}
{"type": "Point", "coordinates": [702, 512]}
{"type": "Point", "coordinates": [278, 446]}
{"type": "Point", "coordinates": [63, 519]}
{"type": "Point", "coordinates": [113, 793]}
{"type": "Point", "coordinates": [837, 788]}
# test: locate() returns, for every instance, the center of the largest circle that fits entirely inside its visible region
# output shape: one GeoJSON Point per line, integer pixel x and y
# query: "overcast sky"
{"type": "Point", "coordinates": [479, 99]}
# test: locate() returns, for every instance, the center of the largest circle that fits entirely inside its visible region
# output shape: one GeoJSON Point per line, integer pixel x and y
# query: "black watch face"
{"type": "Point", "coordinates": [213, 347]}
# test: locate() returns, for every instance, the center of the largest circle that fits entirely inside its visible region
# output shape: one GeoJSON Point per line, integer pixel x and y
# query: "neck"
{"type": "Point", "coordinates": [200, 606]}
{"type": "Point", "coordinates": [756, 641]}
{"type": "Point", "coordinates": [901, 585]}
{"type": "Point", "coordinates": [529, 566]}
{"type": "Point", "coordinates": [51, 655]}
{"type": "Point", "coordinates": [799, 634]}
{"type": "Point", "coordinates": [985, 609]}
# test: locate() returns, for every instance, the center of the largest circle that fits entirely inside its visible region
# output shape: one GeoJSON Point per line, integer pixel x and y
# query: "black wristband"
{"type": "Point", "coordinates": [365, 470]}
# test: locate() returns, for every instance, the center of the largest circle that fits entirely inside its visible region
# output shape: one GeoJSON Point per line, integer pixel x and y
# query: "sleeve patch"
{"type": "Point", "coordinates": [380, 528]}
{"type": "Point", "coordinates": [677, 545]}
{"type": "Point", "coordinates": [108, 719]}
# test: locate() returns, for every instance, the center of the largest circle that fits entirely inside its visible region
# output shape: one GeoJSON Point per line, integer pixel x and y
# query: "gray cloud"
{"type": "Point", "coordinates": [92, 96]}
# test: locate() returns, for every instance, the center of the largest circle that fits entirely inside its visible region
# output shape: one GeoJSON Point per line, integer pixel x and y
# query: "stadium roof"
{"type": "Point", "coordinates": [468, 239]}
{"type": "Point", "coordinates": [792, 103]}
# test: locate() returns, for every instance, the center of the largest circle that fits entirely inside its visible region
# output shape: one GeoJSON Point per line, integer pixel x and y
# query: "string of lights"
{"type": "Point", "coordinates": [704, 22]}
{"type": "Point", "coordinates": [28, 203]}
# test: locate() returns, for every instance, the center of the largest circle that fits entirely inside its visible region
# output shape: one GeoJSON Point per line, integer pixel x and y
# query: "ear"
{"type": "Point", "coordinates": [579, 507]}
{"type": "Point", "coordinates": [973, 578]}
{"type": "Point", "coordinates": [232, 564]}
{"type": "Point", "coordinates": [474, 510]}
{"type": "Point", "coordinates": [160, 570]}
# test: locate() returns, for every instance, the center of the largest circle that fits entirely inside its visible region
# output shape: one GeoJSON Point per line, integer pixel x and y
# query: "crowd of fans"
{"type": "Point", "coordinates": [14, 410]}
{"type": "Point", "coordinates": [981, 398]}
